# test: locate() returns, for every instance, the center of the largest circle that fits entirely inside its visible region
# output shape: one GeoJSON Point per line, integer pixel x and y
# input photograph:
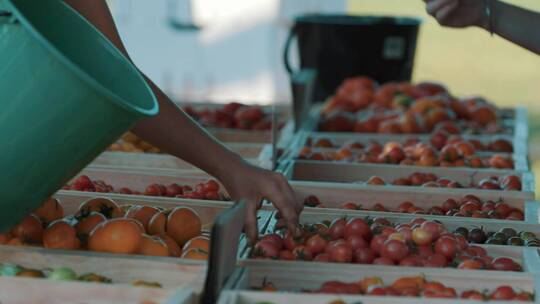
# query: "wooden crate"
{"type": "Point", "coordinates": [292, 279]}
{"type": "Point", "coordinates": [514, 118]}
{"type": "Point", "coordinates": [303, 170]}
{"type": "Point", "coordinates": [165, 162]}
{"type": "Point", "coordinates": [333, 195]}
{"type": "Point", "coordinates": [520, 144]}
{"type": "Point", "coordinates": [24, 291]}
{"type": "Point", "coordinates": [449, 222]}
{"type": "Point", "coordinates": [140, 179]}
{"type": "Point", "coordinates": [521, 163]}
{"type": "Point", "coordinates": [207, 211]}
{"type": "Point", "coordinates": [528, 257]}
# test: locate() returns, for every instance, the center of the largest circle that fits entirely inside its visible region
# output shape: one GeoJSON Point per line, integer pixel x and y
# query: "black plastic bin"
{"type": "Point", "coordinates": [341, 46]}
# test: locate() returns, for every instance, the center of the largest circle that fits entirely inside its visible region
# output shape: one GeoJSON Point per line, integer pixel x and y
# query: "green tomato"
{"type": "Point", "coordinates": [9, 270]}
{"type": "Point", "coordinates": [63, 274]}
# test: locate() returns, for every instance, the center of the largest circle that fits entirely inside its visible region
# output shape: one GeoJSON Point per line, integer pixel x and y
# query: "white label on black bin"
{"type": "Point", "coordinates": [394, 48]}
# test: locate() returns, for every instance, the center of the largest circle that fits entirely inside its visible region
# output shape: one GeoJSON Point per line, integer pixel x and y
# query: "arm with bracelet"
{"type": "Point", "coordinates": [513, 23]}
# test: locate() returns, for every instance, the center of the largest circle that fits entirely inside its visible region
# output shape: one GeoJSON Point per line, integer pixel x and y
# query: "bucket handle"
{"type": "Point", "coordinates": [292, 33]}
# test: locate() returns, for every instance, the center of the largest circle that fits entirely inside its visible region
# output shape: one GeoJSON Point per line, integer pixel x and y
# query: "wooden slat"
{"type": "Point", "coordinates": [24, 291]}
{"type": "Point", "coordinates": [348, 173]}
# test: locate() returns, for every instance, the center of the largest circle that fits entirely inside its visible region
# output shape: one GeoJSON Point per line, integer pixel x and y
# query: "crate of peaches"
{"type": "Point", "coordinates": [358, 242]}
{"type": "Point", "coordinates": [487, 206]}
{"type": "Point", "coordinates": [404, 178]}
{"type": "Point", "coordinates": [237, 122]}
{"type": "Point", "coordinates": [69, 278]}
{"type": "Point", "coordinates": [281, 283]}
{"type": "Point", "coordinates": [363, 106]}
{"type": "Point", "coordinates": [137, 227]}
{"type": "Point", "coordinates": [452, 152]}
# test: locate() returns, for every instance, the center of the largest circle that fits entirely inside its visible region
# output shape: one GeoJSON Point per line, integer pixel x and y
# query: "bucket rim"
{"type": "Point", "coordinates": [350, 19]}
{"type": "Point", "coordinates": [81, 73]}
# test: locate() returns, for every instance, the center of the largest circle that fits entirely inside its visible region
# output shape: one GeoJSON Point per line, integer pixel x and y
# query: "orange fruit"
{"type": "Point", "coordinates": [195, 254]}
{"type": "Point", "coordinates": [29, 230]}
{"type": "Point", "coordinates": [183, 224]}
{"type": "Point", "coordinates": [174, 249]}
{"type": "Point", "coordinates": [119, 235]}
{"type": "Point", "coordinates": [102, 205]}
{"type": "Point", "coordinates": [156, 225]}
{"type": "Point", "coordinates": [143, 214]}
{"type": "Point", "coordinates": [61, 235]}
{"type": "Point", "coordinates": [200, 242]}
{"type": "Point", "coordinates": [86, 224]}
{"type": "Point", "coordinates": [153, 246]}
{"type": "Point", "coordinates": [50, 211]}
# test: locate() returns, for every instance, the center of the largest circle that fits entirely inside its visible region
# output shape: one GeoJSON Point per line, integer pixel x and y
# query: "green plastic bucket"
{"type": "Point", "coordinates": [66, 93]}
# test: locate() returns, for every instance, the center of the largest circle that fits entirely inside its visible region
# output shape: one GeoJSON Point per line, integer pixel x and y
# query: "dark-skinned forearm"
{"type": "Point", "coordinates": [517, 25]}
{"type": "Point", "coordinates": [171, 130]}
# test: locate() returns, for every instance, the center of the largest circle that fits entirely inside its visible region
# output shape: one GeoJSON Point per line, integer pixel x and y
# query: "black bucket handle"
{"type": "Point", "coordinates": [292, 33]}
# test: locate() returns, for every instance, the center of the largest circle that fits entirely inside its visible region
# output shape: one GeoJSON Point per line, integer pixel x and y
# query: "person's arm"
{"type": "Point", "coordinates": [176, 133]}
{"type": "Point", "coordinates": [513, 23]}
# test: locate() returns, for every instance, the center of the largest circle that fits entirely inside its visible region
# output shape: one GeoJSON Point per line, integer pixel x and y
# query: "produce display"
{"type": "Point", "coordinates": [101, 225]}
{"type": "Point", "coordinates": [233, 115]}
{"type": "Point", "coordinates": [468, 206]}
{"type": "Point", "coordinates": [208, 190]}
{"type": "Point", "coordinates": [421, 243]}
{"type": "Point", "coordinates": [62, 274]}
{"type": "Point", "coordinates": [459, 153]}
{"type": "Point", "coordinates": [361, 105]}
{"type": "Point", "coordinates": [411, 286]}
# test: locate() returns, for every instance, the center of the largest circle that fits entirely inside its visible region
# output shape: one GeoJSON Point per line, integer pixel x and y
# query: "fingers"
{"type": "Point", "coordinates": [250, 225]}
{"type": "Point", "coordinates": [283, 198]}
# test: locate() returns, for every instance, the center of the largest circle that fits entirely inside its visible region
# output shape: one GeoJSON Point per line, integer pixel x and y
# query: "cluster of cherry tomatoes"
{"type": "Point", "coordinates": [208, 190]}
{"type": "Point", "coordinates": [420, 243]}
{"type": "Point", "coordinates": [459, 153]}
{"type": "Point", "coordinates": [101, 225]}
{"type": "Point", "coordinates": [232, 115]}
{"type": "Point", "coordinates": [418, 286]}
{"type": "Point", "coordinates": [468, 206]}
{"type": "Point", "coordinates": [361, 105]}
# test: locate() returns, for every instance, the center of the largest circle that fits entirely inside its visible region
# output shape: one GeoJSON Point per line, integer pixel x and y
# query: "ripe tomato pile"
{"type": "Point", "coordinates": [420, 243]}
{"type": "Point", "coordinates": [418, 179]}
{"type": "Point", "coordinates": [101, 225]}
{"type": "Point", "coordinates": [457, 154]}
{"type": "Point", "coordinates": [418, 286]}
{"type": "Point", "coordinates": [361, 105]}
{"type": "Point", "coordinates": [232, 115]}
{"type": "Point", "coordinates": [209, 190]}
{"type": "Point", "coordinates": [468, 206]}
